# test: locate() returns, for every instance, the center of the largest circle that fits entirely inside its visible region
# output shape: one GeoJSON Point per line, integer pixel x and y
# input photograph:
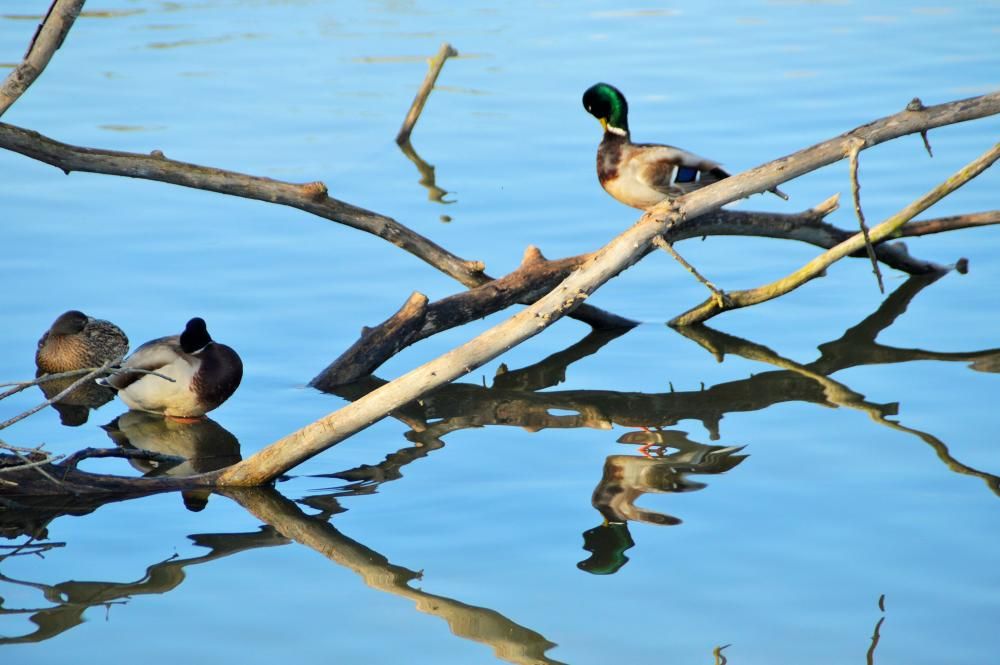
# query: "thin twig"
{"type": "Point", "coordinates": [46, 41]}
{"type": "Point", "coordinates": [435, 64]}
{"type": "Point", "coordinates": [29, 464]}
{"type": "Point", "coordinates": [136, 370]}
{"type": "Point", "coordinates": [21, 385]}
{"type": "Point", "coordinates": [856, 195]}
{"type": "Point", "coordinates": [73, 386]}
{"type": "Point", "coordinates": [916, 105]}
{"type": "Point", "coordinates": [663, 244]}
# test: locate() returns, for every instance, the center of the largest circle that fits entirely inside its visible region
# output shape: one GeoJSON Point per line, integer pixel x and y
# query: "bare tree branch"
{"type": "Point", "coordinates": [417, 319]}
{"type": "Point", "coordinates": [47, 40]}
{"type": "Point", "coordinates": [942, 224]}
{"type": "Point", "coordinates": [856, 195]}
{"type": "Point", "coordinates": [310, 197]}
{"type": "Point", "coordinates": [89, 376]}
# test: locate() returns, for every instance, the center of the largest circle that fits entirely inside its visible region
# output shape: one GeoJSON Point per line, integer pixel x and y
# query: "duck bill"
{"type": "Point", "coordinates": [604, 123]}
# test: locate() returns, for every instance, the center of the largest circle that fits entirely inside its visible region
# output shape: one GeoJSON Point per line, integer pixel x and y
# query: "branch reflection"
{"type": "Point", "coordinates": [516, 398]}
{"type": "Point", "coordinates": [510, 641]}
{"type": "Point", "coordinates": [70, 599]}
{"type": "Point", "coordinates": [284, 522]}
{"type": "Point", "coordinates": [427, 177]}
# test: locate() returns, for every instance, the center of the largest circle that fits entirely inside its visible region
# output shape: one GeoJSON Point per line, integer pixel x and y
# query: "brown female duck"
{"type": "Point", "coordinates": [77, 341]}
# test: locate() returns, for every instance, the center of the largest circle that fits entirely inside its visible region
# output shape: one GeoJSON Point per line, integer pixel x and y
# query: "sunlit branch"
{"type": "Point", "coordinates": [47, 40]}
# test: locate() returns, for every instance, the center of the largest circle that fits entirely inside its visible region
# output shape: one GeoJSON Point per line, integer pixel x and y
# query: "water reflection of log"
{"type": "Point", "coordinates": [72, 598]}
{"type": "Point", "coordinates": [515, 400]}
{"type": "Point", "coordinates": [427, 177]}
{"type": "Point", "coordinates": [510, 641]}
{"type": "Point", "coordinates": [285, 522]}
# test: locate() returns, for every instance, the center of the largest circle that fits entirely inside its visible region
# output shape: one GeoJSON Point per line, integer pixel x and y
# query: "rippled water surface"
{"type": "Point", "coordinates": [841, 452]}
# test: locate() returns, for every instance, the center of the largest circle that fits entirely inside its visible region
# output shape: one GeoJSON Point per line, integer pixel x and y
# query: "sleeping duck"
{"type": "Point", "coordinates": [643, 174]}
{"type": "Point", "coordinates": [205, 374]}
{"type": "Point", "coordinates": [77, 341]}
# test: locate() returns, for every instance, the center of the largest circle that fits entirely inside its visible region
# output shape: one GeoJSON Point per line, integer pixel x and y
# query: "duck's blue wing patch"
{"type": "Point", "coordinates": [686, 174]}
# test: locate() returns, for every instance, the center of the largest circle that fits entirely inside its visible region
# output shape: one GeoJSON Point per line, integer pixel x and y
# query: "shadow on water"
{"type": "Point", "coordinates": [520, 398]}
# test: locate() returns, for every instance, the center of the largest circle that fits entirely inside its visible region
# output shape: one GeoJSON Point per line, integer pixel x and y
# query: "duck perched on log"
{"type": "Point", "coordinates": [77, 341]}
{"type": "Point", "coordinates": [643, 174]}
{"type": "Point", "coordinates": [205, 374]}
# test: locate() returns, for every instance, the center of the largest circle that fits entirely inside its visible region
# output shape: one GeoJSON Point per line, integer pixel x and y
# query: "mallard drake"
{"type": "Point", "coordinates": [205, 374]}
{"type": "Point", "coordinates": [77, 341]}
{"type": "Point", "coordinates": [643, 174]}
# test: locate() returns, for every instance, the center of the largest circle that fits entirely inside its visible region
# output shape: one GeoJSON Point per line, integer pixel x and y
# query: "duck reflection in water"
{"type": "Point", "coordinates": [627, 477]}
{"type": "Point", "coordinates": [74, 408]}
{"type": "Point", "coordinates": [200, 445]}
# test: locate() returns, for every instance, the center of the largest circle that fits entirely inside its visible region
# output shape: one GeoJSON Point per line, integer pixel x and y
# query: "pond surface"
{"type": "Point", "coordinates": [829, 481]}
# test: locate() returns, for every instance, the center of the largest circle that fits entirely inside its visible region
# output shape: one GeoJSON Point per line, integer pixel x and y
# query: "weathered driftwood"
{"type": "Point", "coordinates": [627, 248]}
{"type": "Point", "coordinates": [568, 296]}
{"type": "Point", "coordinates": [616, 256]}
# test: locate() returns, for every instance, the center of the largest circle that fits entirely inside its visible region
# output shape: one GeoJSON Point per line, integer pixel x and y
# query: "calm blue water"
{"type": "Point", "coordinates": [781, 554]}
